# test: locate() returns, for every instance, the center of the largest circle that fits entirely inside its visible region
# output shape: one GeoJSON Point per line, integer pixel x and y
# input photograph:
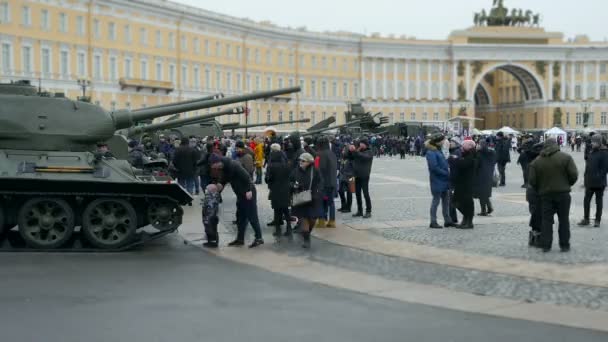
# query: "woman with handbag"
{"type": "Point", "coordinates": [306, 185]}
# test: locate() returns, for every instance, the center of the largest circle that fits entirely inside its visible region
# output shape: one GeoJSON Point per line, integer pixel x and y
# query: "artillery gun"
{"type": "Point", "coordinates": [51, 183]}
{"type": "Point", "coordinates": [368, 122]}
{"type": "Point", "coordinates": [235, 125]}
{"type": "Point", "coordinates": [326, 129]}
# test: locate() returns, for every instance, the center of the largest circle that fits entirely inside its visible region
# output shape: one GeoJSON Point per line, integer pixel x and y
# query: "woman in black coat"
{"type": "Point", "coordinates": [464, 169]}
{"type": "Point", "coordinates": [346, 173]}
{"type": "Point", "coordinates": [486, 157]}
{"type": "Point", "coordinates": [306, 177]}
{"type": "Point", "coordinates": [277, 178]}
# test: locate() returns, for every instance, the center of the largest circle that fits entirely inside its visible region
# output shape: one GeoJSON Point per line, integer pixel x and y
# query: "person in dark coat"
{"type": "Point", "coordinates": [534, 203]}
{"type": "Point", "coordinates": [439, 175]}
{"type": "Point", "coordinates": [503, 155]}
{"type": "Point", "coordinates": [184, 161]}
{"type": "Point", "coordinates": [596, 167]}
{"type": "Point", "coordinates": [346, 173]}
{"type": "Point", "coordinates": [307, 177]}
{"type": "Point", "coordinates": [328, 168]}
{"type": "Point", "coordinates": [362, 158]}
{"type": "Point", "coordinates": [464, 177]}
{"type": "Point", "coordinates": [525, 157]}
{"type": "Point", "coordinates": [455, 153]}
{"type": "Point", "coordinates": [225, 170]}
{"type": "Point", "coordinates": [277, 178]}
{"type": "Point", "coordinates": [136, 155]}
{"type": "Point", "coordinates": [485, 177]}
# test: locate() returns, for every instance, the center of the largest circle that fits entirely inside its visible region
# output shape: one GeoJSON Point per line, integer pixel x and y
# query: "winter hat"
{"type": "Point", "coordinates": [436, 138]}
{"type": "Point", "coordinates": [596, 139]}
{"type": "Point", "coordinates": [275, 147]}
{"type": "Point", "coordinates": [468, 145]}
{"type": "Point", "coordinates": [133, 144]}
{"type": "Point", "coordinates": [240, 144]}
{"type": "Point", "coordinates": [307, 157]}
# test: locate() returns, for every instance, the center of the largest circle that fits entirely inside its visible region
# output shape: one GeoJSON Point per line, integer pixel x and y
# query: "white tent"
{"type": "Point", "coordinates": [556, 132]}
{"type": "Point", "coordinates": [508, 130]}
{"type": "Point", "coordinates": [475, 131]}
{"type": "Point", "coordinates": [487, 132]}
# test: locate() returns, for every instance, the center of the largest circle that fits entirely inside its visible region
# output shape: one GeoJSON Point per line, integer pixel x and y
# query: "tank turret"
{"type": "Point", "coordinates": [39, 122]}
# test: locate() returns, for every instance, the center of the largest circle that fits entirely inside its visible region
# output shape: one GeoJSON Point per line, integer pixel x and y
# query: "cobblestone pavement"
{"type": "Point", "coordinates": [401, 199]}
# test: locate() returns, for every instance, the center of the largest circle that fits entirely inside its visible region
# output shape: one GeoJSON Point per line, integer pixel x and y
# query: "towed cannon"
{"type": "Point", "coordinates": [56, 194]}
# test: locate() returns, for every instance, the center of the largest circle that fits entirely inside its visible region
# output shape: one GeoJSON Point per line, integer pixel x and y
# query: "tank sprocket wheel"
{"type": "Point", "coordinates": [165, 215]}
{"type": "Point", "coordinates": [109, 223]}
{"type": "Point", "coordinates": [46, 223]}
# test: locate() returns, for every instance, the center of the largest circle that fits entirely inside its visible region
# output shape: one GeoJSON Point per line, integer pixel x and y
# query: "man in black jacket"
{"type": "Point", "coordinates": [184, 162]}
{"type": "Point", "coordinates": [596, 167]}
{"type": "Point", "coordinates": [362, 158]}
{"type": "Point", "coordinates": [224, 170]}
{"type": "Point", "coordinates": [503, 155]}
{"type": "Point", "coordinates": [328, 168]}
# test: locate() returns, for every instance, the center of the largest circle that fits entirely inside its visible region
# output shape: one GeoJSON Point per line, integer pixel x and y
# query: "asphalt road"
{"type": "Point", "coordinates": [172, 292]}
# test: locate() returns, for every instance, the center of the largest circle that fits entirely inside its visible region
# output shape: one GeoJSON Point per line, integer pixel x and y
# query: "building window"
{"type": "Point", "coordinates": [26, 16]}
{"type": "Point", "coordinates": [218, 51]}
{"type": "Point", "coordinates": [143, 36]}
{"type": "Point", "coordinates": [239, 82]}
{"type": "Point", "coordinates": [603, 67]}
{"type": "Point", "coordinates": [184, 43]}
{"type": "Point", "coordinates": [280, 85]}
{"type": "Point", "coordinates": [228, 51]}
{"type": "Point", "coordinates": [144, 69]}
{"type": "Point", "coordinates": [229, 81]}
{"type": "Point", "coordinates": [391, 118]}
{"type": "Point", "coordinates": [604, 118]}
{"type": "Point", "coordinates": [113, 69]}
{"type": "Point", "coordinates": [290, 115]}
{"type": "Point", "coordinates": [128, 69]}
{"type": "Point", "coordinates": [313, 117]}
{"type": "Point", "coordinates": [171, 40]}
{"type": "Point", "coordinates": [44, 20]}
{"type": "Point", "coordinates": [258, 82]}
{"type": "Point", "coordinates": [578, 68]}
{"type": "Point", "coordinates": [356, 89]}
{"type": "Point", "coordinates": [97, 66]}
{"type": "Point", "coordinates": [302, 115]}
{"type": "Point", "coordinates": [280, 115]}
{"type": "Point", "coordinates": [568, 119]}
{"type": "Point", "coordinates": [269, 82]}
{"type": "Point", "coordinates": [301, 61]}
{"type": "Point", "coordinates": [196, 46]}
{"type": "Point", "coordinates": [324, 89]}
{"type": "Point", "coordinates": [324, 62]}
{"type": "Point", "coordinates": [436, 116]}
{"type": "Point", "coordinates": [184, 76]}
{"type": "Point", "coordinates": [579, 119]}
{"type": "Point", "coordinates": [577, 92]}
{"type": "Point", "coordinates": [334, 89]}
{"type": "Point", "coordinates": [46, 61]}
{"type": "Point", "coordinates": [401, 117]}
{"type": "Point", "coordinates": [313, 88]}
{"type": "Point", "coordinates": [81, 64]}
{"type": "Point", "coordinates": [5, 12]}
{"type": "Point", "coordinates": [207, 48]}
{"type": "Point", "coordinates": [413, 116]}
{"type": "Point", "coordinates": [80, 25]}
{"type": "Point", "coordinates": [345, 89]}
{"type": "Point", "coordinates": [96, 29]}
{"type": "Point", "coordinates": [159, 39]}
{"type": "Point", "coordinates": [128, 37]}
{"type": "Point", "coordinates": [303, 87]}
{"type": "Point", "coordinates": [603, 91]}
{"type": "Point", "coordinates": [112, 31]}
{"type": "Point", "coordinates": [425, 116]}
{"type": "Point", "coordinates": [323, 115]}
{"type": "Point", "coordinates": [314, 61]}
{"type": "Point", "coordinates": [257, 56]}
{"type": "Point", "coordinates": [64, 63]}
{"type": "Point", "coordinates": [196, 77]}
{"type": "Point", "coordinates": [268, 115]}
{"type": "Point", "coordinates": [268, 57]}
{"type": "Point", "coordinates": [172, 76]}
{"type": "Point", "coordinates": [218, 80]}
{"type": "Point", "coordinates": [238, 53]}
{"type": "Point", "coordinates": [26, 59]}
{"type": "Point", "coordinates": [159, 71]}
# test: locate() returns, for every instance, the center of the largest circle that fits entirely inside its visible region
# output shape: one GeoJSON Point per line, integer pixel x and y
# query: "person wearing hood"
{"type": "Point", "coordinates": [328, 166]}
{"type": "Point", "coordinates": [245, 157]}
{"type": "Point", "coordinates": [596, 167]}
{"type": "Point", "coordinates": [136, 155]}
{"type": "Point", "coordinates": [525, 157]}
{"type": "Point", "coordinates": [439, 178]}
{"type": "Point", "coordinates": [464, 175]}
{"type": "Point", "coordinates": [503, 155]}
{"type": "Point", "coordinates": [362, 158]}
{"type": "Point", "coordinates": [552, 175]}
{"type": "Point", "coordinates": [485, 177]}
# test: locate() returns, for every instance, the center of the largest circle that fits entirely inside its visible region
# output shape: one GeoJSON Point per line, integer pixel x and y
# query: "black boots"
{"type": "Point", "coordinates": [306, 242]}
{"type": "Point", "coordinates": [256, 243]}
{"type": "Point", "coordinates": [467, 223]}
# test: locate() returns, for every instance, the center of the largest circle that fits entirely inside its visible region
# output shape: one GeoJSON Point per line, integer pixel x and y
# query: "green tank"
{"type": "Point", "coordinates": [52, 184]}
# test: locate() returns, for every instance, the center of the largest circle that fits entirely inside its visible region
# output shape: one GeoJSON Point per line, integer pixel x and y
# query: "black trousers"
{"type": "Point", "coordinates": [211, 230]}
{"type": "Point", "coordinates": [558, 203]}
{"type": "Point", "coordinates": [524, 170]}
{"type": "Point", "coordinates": [453, 212]}
{"type": "Point", "coordinates": [485, 204]}
{"type": "Point", "coordinates": [599, 202]}
{"type": "Point", "coordinates": [247, 212]}
{"type": "Point", "coordinates": [501, 171]}
{"type": "Point", "coordinates": [346, 197]}
{"type": "Point", "coordinates": [281, 214]}
{"type": "Point", "coordinates": [536, 214]}
{"type": "Point", "coordinates": [362, 185]}
{"type": "Point", "coordinates": [466, 206]}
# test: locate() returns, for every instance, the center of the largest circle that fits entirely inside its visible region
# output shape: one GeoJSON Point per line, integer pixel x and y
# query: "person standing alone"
{"type": "Point", "coordinates": [503, 155]}
{"type": "Point", "coordinates": [362, 165]}
{"type": "Point", "coordinates": [596, 167]}
{"type": "Point", "coordinates": [552, 175]}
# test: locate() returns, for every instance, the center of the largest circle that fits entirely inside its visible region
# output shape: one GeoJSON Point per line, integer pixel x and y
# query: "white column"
{"type": "Point", "coordinates": [384, 80]}
{"type": "Point", "coordinates": [441, 80]}
{"type": "Point", "coordinates": [455, 81]}
{"type": "Point", "coordinates": [597, 80]}
{"type": "Point", "coordinates": [417, 79]}
{"type": "Point", "coordinates": [407, 80]}
{"type": "Point", "coordinates": [395, 80]}
{"type": "Point", "coordinates": [563, 76]}
{"type": "Point", "coordinates": [373, 78]}
{"type": "Point", "coordinates": [429, 76]}
{"type": "Point", "coordinates": [362, 82]}
{"type": "Point", "coordinates": [584, 86]}
{"type": "Point", "coordinates": [572, 80]}
{"type": "Point", "coordinates": [550, 88]}
{"type": "Point", "coordinates": [468, 76]}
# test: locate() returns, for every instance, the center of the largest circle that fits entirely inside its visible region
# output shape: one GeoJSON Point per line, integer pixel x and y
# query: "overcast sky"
{"type": "Point", "coordinates": [424, 19]}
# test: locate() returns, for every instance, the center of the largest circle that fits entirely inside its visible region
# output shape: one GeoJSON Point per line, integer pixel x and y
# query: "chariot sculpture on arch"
{"type": "Point", "coordinates": [499, 16]}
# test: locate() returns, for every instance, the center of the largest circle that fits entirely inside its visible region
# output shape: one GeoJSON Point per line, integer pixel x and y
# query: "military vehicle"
{"type": "Point", "coordinates": [368, 123]}
{"type": "Point", "coordinates": [176, 116]}
{"type": "Point", "coordinates": [322, 124]}
{"type": "Point", "coordinates": [51, 183]}
{"type": "Point", "coordinates": [235, 125]}
{"type": "Point", "coordinates": [326, 129]}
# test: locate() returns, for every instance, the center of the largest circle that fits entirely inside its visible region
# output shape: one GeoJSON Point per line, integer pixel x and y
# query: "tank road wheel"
{"type": "Point", "coordinates": [46, 222]}
{"type": "Point", "coordinates": [165, 215]}
{"type": "Point", "coordinates": [109, 223]}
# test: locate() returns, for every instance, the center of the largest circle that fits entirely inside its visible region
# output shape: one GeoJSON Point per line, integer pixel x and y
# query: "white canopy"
{"type": "Point", "coordinates": [487, 132]}
{"type": "Point", "coordinates": [270, 129]}
{"type": "Point", "coordinates": [508, 130]}
{"type": "Point", "coordinates": [475, 131]}
{"type": "Point", "coordinates": [556, 131]}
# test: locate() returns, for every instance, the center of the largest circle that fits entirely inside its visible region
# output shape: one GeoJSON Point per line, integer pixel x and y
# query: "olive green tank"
{"type": "Point", "coordinates": [53, 184]}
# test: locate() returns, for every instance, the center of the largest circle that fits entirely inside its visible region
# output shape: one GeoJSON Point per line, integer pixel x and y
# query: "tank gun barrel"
{"type": "Point", "coordinates": [206, 98]}
{"type": "Point", "coordinates": [313, 132]}
{"type": "Point", "coordinates": [270, 123]}
{"type": "Point", "coordinates": [125, 118]}
{"type": "Point", "coordinates": [182, 122]}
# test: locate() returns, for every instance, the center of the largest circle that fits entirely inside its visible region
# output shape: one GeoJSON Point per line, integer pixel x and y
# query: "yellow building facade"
{"type": "Point", "coordinates": [139, 53]}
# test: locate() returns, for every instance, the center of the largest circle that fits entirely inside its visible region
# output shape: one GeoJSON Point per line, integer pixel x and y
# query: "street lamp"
{"type": "Point", "coordinates": [84, 83]}
{"type": "Point", "coordinates": [585, 114]}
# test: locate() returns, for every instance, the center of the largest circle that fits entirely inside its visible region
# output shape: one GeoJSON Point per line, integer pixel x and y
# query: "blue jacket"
{"type": "Point", "coordinates": [438, 169]}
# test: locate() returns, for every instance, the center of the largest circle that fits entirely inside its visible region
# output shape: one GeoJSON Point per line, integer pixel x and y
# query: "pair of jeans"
{"type": "Point", "coordinates": [362, 185]}
{"type": "Point", "coordinates": [247, 212]}
{"type": "Point", "coordinates": [501, 171]}
{"type": "Point", "coordinates": [205, 180]}
{"type": "Point", "coordinates": [444, 197]}
{"type": "Point", "coordinates": [551, 204]}
{"type": "Point", "coordinates": [258, 175]}
{"type": "Point", "coordinates": [599, 202]}
{"type": "Point", "coordinates": [346, 197]}
{"type": "Point", "coordinates": [329, 206]}
{"type": "Point", "coordinates": [187, 183]}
